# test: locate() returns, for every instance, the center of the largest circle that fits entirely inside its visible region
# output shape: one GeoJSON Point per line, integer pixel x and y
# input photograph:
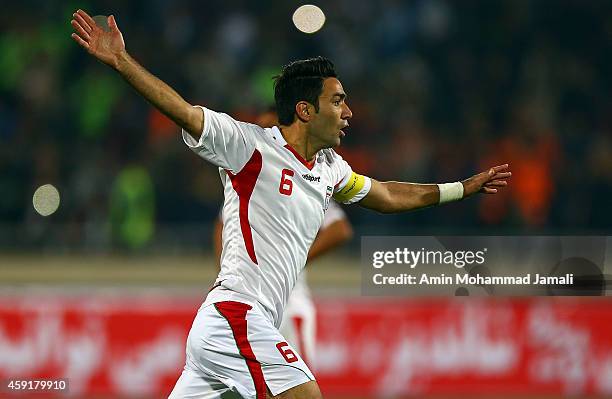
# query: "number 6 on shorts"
{"type": "Point", "coordinates": [288, 354]}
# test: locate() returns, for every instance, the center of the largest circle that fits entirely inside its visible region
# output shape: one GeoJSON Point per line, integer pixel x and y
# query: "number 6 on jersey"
{"type": "Point", "coordinates": [288, 354]}
{"type": "Point", "coordinates": [286, 185]}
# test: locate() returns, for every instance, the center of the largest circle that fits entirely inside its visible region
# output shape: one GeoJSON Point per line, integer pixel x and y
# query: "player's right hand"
{"type": "Point", "coordinates": [105, 46]}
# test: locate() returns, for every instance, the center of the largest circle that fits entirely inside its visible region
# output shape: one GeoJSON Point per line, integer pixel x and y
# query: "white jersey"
{"type": "Point", "coordinates": [274, 206]}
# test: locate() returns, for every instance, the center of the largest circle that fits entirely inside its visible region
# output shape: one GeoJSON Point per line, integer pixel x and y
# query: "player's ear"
{"type": "Point", "coordinates": [302, 111]}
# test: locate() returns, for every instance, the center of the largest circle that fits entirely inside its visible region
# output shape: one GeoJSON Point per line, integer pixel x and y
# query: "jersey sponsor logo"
{"type": "Point", "coordinates": [311, 178]}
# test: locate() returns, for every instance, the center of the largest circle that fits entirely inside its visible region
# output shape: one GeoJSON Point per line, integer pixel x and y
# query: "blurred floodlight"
{"type": "Point", "coordinates": [308, 18]}
{"type": "Point", "coordinates": [46, 199]}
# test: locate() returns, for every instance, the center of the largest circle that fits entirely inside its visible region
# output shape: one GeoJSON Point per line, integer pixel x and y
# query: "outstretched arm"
{"type": "Point", "coordinates": [109, 47]}
{"type": "Point", "coordinates": [392, 197]}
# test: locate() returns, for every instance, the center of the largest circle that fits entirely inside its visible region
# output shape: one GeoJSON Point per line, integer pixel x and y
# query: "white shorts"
{"type": "Point", "coordinates": [233, 348]}
{"type": "Point", "coordinates": [299, 324]}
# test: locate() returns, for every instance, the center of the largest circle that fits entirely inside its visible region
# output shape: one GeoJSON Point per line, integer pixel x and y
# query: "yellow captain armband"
{"type": "Point", "coordinates": [355, 188]}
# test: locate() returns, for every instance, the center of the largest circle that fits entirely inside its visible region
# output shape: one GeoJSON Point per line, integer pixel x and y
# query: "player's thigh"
{"type": "Point", "coordinates": [281, 364]}
{"type": "Point", "coordinates": [308, 390]}
{"type": "Point", "coordinates": [217, 350]}
{"type": "Point", "coordinates": [238, 345]}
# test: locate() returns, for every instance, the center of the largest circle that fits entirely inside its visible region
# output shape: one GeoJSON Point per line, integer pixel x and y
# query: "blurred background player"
{"type": "Point", "coordinates": [299, 319]}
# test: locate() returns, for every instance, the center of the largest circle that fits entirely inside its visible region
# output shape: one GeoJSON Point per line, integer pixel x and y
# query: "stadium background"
{"type": "Point", "coordinates": [106, 287]}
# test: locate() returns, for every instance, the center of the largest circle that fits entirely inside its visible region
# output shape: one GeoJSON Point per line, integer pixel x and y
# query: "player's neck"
{"type": "Point", "coordinates": [299, 140]}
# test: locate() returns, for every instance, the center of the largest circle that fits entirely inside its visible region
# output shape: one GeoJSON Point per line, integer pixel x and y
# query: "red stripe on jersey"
{"type": "Point", "coordinates": [298, 323]}
{"type": "Point", "coordinates": [235, 314]}
{"type": "Point", "coordinates": [244, 183]}
{"type": "Point", "coordinates": [306, 163]}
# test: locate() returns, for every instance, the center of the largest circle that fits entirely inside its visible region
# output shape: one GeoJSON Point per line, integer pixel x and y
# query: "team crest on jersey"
{"type": "Point", "coordinates": [328, 195]}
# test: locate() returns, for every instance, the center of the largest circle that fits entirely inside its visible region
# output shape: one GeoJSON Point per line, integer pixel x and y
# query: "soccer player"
{"type": "Point", "coordinates": [298, 325]}
{"type": "Point", "coordinates": [277, 184]}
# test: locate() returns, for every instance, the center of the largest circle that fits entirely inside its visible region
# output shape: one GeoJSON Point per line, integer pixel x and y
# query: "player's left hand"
{"type": "Point", "coordinates": [487, 182]}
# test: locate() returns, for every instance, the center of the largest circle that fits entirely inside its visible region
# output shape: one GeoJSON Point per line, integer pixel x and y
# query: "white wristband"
{"type": "Point", "coordinates": [450, 192]}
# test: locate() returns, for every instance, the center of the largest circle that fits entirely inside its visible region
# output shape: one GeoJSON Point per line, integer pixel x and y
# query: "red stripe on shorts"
{"type": "Point", "coordinates": [235, 314]}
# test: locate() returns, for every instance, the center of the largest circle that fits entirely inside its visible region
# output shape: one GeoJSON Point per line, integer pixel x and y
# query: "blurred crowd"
{"type": "Point", "coordinates": [438, 89]}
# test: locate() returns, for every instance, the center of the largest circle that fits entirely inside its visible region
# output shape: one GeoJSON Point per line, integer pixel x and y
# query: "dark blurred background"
{"type": "Point", "coordinates": [439, 90]}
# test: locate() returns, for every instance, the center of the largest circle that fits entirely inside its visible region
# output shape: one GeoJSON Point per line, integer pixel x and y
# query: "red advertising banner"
{"type": "Point", "coordinates": [135, 346]}
{"type": "Point", "coordinates": [117, 346]}
{"type": "Point", "coordinates": [510, 346]}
